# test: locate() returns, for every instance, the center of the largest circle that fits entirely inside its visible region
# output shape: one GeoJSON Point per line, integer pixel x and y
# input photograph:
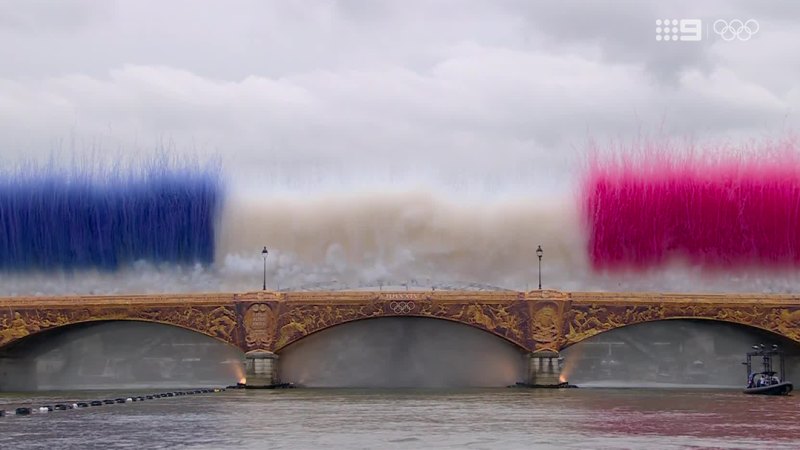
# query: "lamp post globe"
{"type": "Point", "coordinates": [264, 254]}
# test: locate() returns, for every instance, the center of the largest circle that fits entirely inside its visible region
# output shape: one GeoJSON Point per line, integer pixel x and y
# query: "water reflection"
{"type": "Point", "coordinates": [416, 418]}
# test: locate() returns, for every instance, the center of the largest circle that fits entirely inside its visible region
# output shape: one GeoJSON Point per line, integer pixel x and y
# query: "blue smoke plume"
{"type": "Point", "coordinates": [104, 217]}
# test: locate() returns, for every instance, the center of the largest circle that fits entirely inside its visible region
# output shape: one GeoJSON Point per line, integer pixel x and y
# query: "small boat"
{"type": "Point", "coordinates": [766, 382]}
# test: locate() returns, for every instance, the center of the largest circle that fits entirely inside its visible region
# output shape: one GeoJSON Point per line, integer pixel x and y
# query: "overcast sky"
{"type": "Point", "coordinates": [436, 89]}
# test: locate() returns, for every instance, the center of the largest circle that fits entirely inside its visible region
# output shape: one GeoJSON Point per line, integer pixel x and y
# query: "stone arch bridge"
{"type": "Point", "coordinates": [261, 324]}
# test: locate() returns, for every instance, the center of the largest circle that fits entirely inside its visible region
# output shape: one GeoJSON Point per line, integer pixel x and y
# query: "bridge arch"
{"type": "Point", "coordinates": [402, 351]}
{"type": "Point", "coordinates": [287, 335]}
{"type": "Point", "coordinates": [44, 333]}
{"type": "Point", "coordinates": [119, 352]}
{"type": "Point", "coordinates": [697, 351]}
{"type": "Point", "coordinates": [587, 320]}
{"type": "Point", "coordinates": [601, 331]}
{"type": "Point", "coordinates": [216, 321]}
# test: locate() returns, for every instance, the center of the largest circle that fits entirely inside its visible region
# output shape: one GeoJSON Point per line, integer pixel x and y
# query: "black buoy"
{"type": "Point", "coordinates": [96, 403]}
{"type": "Point", "coordinates": [22, 411]}
{"type": "Point", "coordinates": [61, 407]}
{"type": "Point", "coordinates": [82, 405]}
{"type": "Point", "coordinates": [148, 397]}
{"type": "Point", "coordinates": [108, 402]}
{"type": "Point", "coordinates": [170, 394]}
{"type": "Point", "coordinates": [119, 400]}
{"type": "Point", "coordinates": [2, 412]}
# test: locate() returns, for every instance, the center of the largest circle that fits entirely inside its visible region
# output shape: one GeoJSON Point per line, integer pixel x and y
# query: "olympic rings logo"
{"type": "Point", "coordinates": [736, 29]}
{"type": "Point", "coordinates": [402, 307]}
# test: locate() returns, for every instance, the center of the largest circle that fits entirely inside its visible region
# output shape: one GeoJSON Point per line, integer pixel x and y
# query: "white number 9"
{"type": "Point", "coordinates": [691, 30]}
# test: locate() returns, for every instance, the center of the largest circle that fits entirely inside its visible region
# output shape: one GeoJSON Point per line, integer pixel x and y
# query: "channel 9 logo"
{"type": "Point", "coordinates": [691, 30]}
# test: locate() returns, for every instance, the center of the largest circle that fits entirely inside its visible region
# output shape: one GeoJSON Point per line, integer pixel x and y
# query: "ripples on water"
{"type": "Point", "coordinates": [479, 418]}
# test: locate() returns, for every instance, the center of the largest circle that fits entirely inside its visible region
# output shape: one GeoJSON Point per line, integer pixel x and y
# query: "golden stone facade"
{"type": "Point", "coordinates": [534, 321]}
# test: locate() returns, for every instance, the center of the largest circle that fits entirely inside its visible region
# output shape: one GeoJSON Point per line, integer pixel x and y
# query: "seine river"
{"type": "Point", "coordinates": [476, 418]}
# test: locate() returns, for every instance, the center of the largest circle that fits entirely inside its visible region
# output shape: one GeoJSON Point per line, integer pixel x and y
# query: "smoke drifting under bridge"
{"type": "Point", "coordinates": [384, 352]}
{"type": "Point", "coordinates": [119, 354]}
{"type": "Point", "coordinates": [402, 352]}
{"type": "Point", "coordinates": [671, 353]}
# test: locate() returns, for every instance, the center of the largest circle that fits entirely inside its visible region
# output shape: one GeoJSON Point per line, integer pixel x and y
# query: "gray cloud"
{"type": "Point", "coordinates": [487, 90]}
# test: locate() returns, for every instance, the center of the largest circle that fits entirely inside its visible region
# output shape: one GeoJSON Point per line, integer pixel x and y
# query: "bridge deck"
{"type": "Point", "coordinates": [544, 320]}
{"type": "Point", "coordinates": [461, 296]}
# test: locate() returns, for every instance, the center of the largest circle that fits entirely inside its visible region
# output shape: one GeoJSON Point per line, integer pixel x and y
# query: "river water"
{"type": "Point", "coordinates": [408, 418]}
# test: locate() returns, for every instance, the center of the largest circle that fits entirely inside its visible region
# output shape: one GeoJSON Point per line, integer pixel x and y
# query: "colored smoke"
{"type": "Point", "coordinates": [104, 217]}
{"type": "Point", "coordinates": [415, 237]}
{"type": "Point", "coordinates": [663, 210]}
{"type": "Point", "coordinates": [712, 208]}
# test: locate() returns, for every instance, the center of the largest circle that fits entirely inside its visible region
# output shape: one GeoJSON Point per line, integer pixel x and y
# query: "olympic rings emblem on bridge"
{"type": "Point", "coordinates": [736, 29]}
{"type": "Point", "coordinates": [402, 307]}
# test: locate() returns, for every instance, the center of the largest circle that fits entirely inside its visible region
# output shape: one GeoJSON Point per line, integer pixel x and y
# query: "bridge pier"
{"type": "Point", "coordinates": [544, 369]}
{"type": "Point", "coordinates": [261, 369]}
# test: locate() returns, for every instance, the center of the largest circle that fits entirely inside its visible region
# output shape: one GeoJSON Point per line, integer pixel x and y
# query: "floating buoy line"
{"type": "Point", "coordinates": [26, 411]}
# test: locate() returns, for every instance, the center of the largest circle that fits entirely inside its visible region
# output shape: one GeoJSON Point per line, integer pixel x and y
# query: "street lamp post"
{"type": "Point", "coordinates": [264, 255]}
{"type": "Point", "coordinates": [539, 253]}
